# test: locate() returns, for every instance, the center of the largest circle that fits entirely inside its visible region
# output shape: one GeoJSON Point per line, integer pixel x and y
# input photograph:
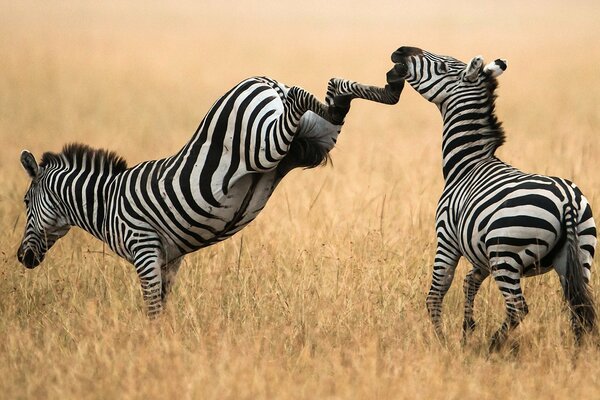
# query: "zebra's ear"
{"type": "Point", "coordinates": [474, 68]}
{"type": "Point", "coordinates": [29, 163]}
{"type": "Point", "coordinates": [495, 68]}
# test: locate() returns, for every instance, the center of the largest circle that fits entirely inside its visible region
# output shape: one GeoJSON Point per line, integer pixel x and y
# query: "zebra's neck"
{"type": "Point", "coordinates": [471, 132]}
{"type": "Point", "coordinates": [82, 195]}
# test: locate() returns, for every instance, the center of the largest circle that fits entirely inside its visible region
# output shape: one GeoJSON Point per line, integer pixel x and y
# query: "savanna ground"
{"type": "Point", "coordinates": [323, 296]}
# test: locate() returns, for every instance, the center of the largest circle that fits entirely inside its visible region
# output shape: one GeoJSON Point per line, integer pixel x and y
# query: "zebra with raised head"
{"type": "Point", "coordinates": [507, 223]}
{"type": "Point", "coordinates": [156, 212]}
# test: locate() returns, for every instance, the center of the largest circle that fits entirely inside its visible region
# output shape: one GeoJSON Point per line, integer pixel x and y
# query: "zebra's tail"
{"type": "Point", "coordinates": [303, 153]}
{"type": "Point", "coordinates": [577, 292]}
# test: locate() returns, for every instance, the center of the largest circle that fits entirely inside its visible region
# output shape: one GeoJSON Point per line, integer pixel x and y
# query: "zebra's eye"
{"type": "Point", "coordinates": [442, 68]}
{"type": "Point", "coordinates": [26, 201]}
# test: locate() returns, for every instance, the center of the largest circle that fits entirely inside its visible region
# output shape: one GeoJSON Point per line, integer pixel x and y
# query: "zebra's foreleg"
{"type": "Point", "coordinates": [471, 286]}
{"type": "Point", "coordinates": [168, 274]}
{"type": "Point", "coordinates": [443, 274]}
{"type": "Point", "coordinates": [148, 267]}
{"type": "Point", "coordinates": [508, 278]}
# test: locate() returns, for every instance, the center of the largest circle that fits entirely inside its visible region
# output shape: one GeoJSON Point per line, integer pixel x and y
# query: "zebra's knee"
{"type": "Point", "coordinates": [517, 312]}
{"type": "Point", "coordinates": [467, 284]}
{"type": "Point", "coordinates": [340, 108]}
{"type": "Point", "coordinates": [332, 89]}
{"type": "Point", "coordinates": [433, 303]}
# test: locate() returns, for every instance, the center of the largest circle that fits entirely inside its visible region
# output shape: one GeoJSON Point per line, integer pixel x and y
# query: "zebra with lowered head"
{"type": "Point", "coordinates": [156, 212]}
{"type": "Point", "coordinates": [505, 222]}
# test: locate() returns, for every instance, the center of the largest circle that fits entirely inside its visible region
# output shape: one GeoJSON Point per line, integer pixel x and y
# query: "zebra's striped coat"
{"type": "Point", "coordinates": [157, 211]}
{"type": "Point", "coordinates": [505, 222]}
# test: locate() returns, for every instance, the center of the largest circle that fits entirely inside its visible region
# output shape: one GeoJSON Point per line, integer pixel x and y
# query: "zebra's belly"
{"type": "Point", "coordinates": [473, 249]}
{"type": "Point", "coordinates": [246, 197]}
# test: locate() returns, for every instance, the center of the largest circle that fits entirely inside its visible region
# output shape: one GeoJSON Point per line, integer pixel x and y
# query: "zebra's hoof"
{"type": "Point", "coordinates": [340, 108]}
{"type": "Point", "coordinates": [395, 86]}
{"type": "Point", "coordinates": [496, 342]}
{"type": "Point", "coordinates": [395, 77]}
{"type": "Point", "coordinates": [342, 100]}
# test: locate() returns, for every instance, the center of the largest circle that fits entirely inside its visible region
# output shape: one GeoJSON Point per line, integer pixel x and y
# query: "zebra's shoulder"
{"type": "Point", "coordinates": [76, 153]}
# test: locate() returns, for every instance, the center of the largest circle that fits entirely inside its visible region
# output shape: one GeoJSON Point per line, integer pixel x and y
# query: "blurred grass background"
{"type": "Point", "coordinates": [323, 295]}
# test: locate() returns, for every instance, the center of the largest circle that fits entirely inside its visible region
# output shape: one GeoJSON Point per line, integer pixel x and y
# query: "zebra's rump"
{"type": "Point", "coordinates": [513, 214]}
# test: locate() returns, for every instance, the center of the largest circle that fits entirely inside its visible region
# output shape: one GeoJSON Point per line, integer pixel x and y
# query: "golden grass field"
{"type": "Point", "coordinates": [323, 296]}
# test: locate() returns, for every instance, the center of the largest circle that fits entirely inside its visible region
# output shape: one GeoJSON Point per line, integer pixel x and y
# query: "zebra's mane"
{"type": "Point", "coordinates": [74, 153]}
{"type": "Point", "coordinates": [495, 124]}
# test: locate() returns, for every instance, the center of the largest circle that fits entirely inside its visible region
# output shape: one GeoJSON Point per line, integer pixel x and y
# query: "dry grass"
{"type": "Point", "coordinates": [322, 296]}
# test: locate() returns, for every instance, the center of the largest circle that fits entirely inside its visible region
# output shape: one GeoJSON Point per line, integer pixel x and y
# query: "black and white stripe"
{"type": "Point", "coordinates": [157, 211]}
{"type": "Point", "coordinates": [505, 222]}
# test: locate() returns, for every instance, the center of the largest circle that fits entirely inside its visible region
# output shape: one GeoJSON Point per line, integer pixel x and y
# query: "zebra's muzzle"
{"type": "Point", "coordinates": [28, 258]}
{"type": "Point", "coordinates": [405, 51]}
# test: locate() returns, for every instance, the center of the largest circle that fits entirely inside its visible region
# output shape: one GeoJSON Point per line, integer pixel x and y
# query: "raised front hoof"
{"type": "Point", "coordinates": [395, 77]}
{"type": "Point", "coordinates": [343, 100]}
{"type": "Point", "coordinates": [395, 87]}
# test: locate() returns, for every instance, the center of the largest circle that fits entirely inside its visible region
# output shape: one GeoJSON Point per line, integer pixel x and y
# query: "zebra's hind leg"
{"type": "Point", "coordinates": [168, 274]}
{"type": "Point", "coordinates": [508, 278]}
{"type": "Point", "coordinates": [340, 93]}
{"type": "Point", "coordinates": [471, 286]}
{"type": "Point", "coordinates": [301, 101]}
{"type": "Point", "coordinates": [349, 90]}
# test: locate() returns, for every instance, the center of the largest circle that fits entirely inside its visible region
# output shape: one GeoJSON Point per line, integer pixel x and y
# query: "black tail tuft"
{"type": "Point", "coordinates": [577, 292]}
{"type": "Point", "coordinates": [304, 152]}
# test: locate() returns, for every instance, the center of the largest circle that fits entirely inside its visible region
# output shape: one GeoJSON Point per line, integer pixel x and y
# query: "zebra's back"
{"type": "Point", "coordinates": [218, 182]}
